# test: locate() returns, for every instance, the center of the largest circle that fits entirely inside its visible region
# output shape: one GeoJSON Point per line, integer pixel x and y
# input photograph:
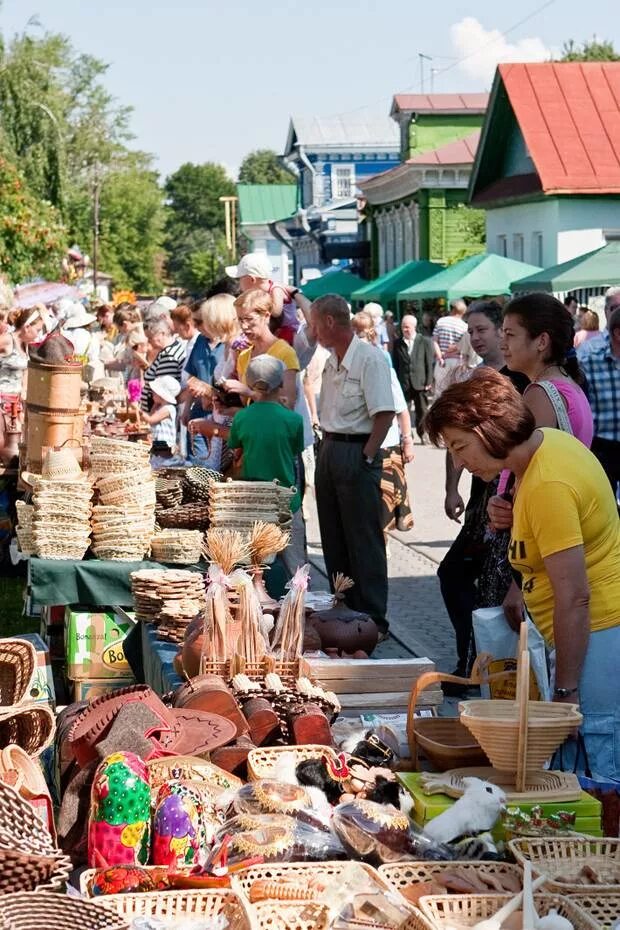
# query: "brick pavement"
{"type": "Point", "coordinates": [418, 621]}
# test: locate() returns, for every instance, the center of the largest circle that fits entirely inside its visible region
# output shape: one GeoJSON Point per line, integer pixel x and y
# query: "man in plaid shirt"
{"type": "Point", "coordinates": [601, 366]}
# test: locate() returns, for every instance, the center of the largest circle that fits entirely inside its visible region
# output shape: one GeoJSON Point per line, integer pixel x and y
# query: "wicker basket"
{"type": "Point", "coordinates": [37, 909]}
{"type": "Point", "coordinates": [30, 726]}
{"type": "Point", "coordinates": [458, 911]}
{"type": "Point", "coordinates": [296, 871]}
{"type": "Point", "coordinates": [134, 477]}
{"type": "Point", "coordinates": [565, 857]}
{"type": "Point", "coordinates": [17, 664]}
{"type": "Point", "coordinates": [263, 760]}
{"type": "Point", "coordinates": [603, 907]}
{"type": "Point", "coordinates": [191, 768]}
{"type": "Point", "coordinates": [278, 915]}
{"type": "Point", "coordinates": [401, 875]}
{"type": "Point", "coordinates": [186, 516]}
{"type": "Point", "coordinates": [179, 904]}
{"type": "Point", "coordinates": [26, 872]}
{"type": "Point", "coordinates": [20, 828]}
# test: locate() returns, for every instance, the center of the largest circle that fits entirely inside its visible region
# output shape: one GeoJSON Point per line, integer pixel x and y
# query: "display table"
{"type": "Point", "coordinates": [90, 583]}
{"type": "Point", "coordinates": [157, 659]}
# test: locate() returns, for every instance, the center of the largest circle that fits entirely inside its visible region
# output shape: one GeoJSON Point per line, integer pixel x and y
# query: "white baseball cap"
{"type": "Point", "coordinates": [255, 264]}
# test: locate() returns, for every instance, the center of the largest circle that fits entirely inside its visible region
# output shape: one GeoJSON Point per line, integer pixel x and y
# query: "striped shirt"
{"type": "Point", "coordinates": [166, 430]}
{"type": "Point", "coordinates": [602, 369]}
{"type": "Point", "coordinates": [169, 361]}
{"type": "Point", "coordinates": [448, 331]}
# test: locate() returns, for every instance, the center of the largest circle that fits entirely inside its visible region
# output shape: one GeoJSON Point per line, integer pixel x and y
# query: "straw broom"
{"type": "Point", "coordinates": [266, 539]}
{"type": "Point", "coordinates": [225, 548]}
{"type": "Point", "coordinates": [251, 644]}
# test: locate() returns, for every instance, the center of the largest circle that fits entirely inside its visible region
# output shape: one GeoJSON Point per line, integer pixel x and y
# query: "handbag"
{"type": "Point", "coordinates": [555, 398]}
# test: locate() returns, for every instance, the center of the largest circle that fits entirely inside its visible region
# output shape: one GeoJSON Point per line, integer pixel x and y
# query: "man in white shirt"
{"type": "Point", "coordinates": [356, 410]}
{"type": "Point", "coordinates": [447, 335]}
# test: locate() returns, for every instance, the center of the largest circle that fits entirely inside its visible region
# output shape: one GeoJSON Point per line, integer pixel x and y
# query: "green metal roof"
{"type": "Point", "coordinates": [476, 276]}
{"type": "Point", "coordinates": [388, 285]}
{"type": "Point", "coordinates": [334, 282]}
{"type": "Point", "coordinates": [600, 268]}
{"type": "Point", "coordinates": [260, 204]}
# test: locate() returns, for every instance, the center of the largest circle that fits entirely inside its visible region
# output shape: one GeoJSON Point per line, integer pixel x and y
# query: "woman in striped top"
{"type": "Point", "coordinates": [169, 360]}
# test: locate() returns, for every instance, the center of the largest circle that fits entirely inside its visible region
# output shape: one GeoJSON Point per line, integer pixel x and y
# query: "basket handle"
{"type": "Point", "coordinates": [522, 702]}
{"type": "Point", "coordinates": [478, 675]}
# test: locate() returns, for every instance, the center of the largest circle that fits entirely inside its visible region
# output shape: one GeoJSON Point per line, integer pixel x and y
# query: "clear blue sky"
{"type": "Point", "coordinates": [210, 81]}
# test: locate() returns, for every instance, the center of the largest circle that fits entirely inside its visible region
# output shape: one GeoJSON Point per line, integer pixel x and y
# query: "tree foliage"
{"type": "Point", "coordinates": [194, 239]}
{"type": "Point", "coordinates": [594, 50]}
{"type": "Point", "coordinates": [264, 167]}
{"type": "Point", "coordinates": [471, 226]}
{"type": "Point", "coordinates": [32, 239]}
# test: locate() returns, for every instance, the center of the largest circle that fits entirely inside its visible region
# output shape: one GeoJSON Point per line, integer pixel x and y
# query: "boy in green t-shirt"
{"type": "Point", "coordinates": [271, 438]}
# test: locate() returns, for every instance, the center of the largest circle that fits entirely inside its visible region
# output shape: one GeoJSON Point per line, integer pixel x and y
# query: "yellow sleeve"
{"type": "Point", "coordinates": [286, 353]}
{"type": "Point", "coordinates": [552, 511]}
{"type": "Point", "coordinates": [243, 360]}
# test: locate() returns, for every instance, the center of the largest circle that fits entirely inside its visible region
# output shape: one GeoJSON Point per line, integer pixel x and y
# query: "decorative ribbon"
{"type": "Point", "coordinates": [301, 579]}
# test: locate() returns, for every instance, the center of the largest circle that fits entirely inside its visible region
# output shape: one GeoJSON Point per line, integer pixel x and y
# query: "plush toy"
{"type": "Point", "coordinates": [476, 811]}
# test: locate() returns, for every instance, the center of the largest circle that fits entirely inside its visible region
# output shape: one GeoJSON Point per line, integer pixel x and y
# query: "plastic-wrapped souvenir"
{"type": "Point", "coordinates": [126, 879]}
{"type": "Point", "coordinates": [280, 838]}
{"type": "Point", "coordinates": [381, 833]}
{"type": "Point", "coordinates": [271, 797]}
{"type": "Point", "coordinates": [183, 825]}
{"type": "Point", "coordinates": [120, 812]}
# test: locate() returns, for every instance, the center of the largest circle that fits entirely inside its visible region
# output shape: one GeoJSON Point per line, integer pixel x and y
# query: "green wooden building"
{"type": "Point", "coordinates": [418, 209]}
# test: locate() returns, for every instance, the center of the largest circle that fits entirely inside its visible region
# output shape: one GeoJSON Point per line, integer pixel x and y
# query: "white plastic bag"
{"type": "Point", "coordinates": [494, 635]}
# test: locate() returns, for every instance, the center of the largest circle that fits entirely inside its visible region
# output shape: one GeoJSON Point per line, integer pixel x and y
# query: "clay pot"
{"type": "Point", "coordinates": [193, 642]}
{"type": "Point", "coordinates": [345, 630]}
{"type": "Point", "coordinates": [266, 601]}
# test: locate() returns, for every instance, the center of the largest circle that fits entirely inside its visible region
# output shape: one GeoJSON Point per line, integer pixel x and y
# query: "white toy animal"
{"type": "Point", "coordinates": [475, 811]}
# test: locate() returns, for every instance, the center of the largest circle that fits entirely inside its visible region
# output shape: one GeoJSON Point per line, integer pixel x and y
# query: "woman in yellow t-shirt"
{"type": "Point", "coordinates": [254, 309]}
{"type": "Point", "coordinates": [565, 543]}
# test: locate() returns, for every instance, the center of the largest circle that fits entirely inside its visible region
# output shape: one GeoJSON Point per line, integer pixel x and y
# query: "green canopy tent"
{"type": "Point", "coordinates": [476, 276]}
{"type": "Point", "coordinates": [385, 289]}
{"type": "Point", "coordinates": [334, 282]}
{"type": "Point", "coordinates": [600, 268]}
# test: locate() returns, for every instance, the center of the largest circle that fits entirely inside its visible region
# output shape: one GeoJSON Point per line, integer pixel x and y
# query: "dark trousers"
{"type": "Point", "coordinates": [457, 575]}
{"type": "Point", "coordinates": [348, 497]}
{"type": "Point", "coordinates": [420, 403]}
{"type": "Point", "coordinates": [608, 453]}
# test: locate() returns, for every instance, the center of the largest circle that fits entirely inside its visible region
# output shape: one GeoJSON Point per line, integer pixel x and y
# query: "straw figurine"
{"type": "Point", "coordinates": [251, 644]}
{"type": "Point", "coordinates": [289, 633]}
{"type": "Point", "coordinates": [226, 548]}
{"type": "Point", "coordinates": [266, 539]}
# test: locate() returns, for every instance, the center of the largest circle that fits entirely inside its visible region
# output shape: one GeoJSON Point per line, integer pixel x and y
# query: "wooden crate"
{"type": "Point", "coordinates": [374, 683]}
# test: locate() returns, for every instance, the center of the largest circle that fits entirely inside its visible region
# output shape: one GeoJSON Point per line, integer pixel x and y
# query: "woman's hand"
{"type": "Point", "coordinates": [200, 427]}
{"type": "Point", "coordinates": [233, 386]}
{"type": "Point", "coordinates": [198, 388]}
{"type": "Point", "coordinates": [514, 607]}
{"type": "Point", "coordinates": [407, 449]}
{"type": "Point", "coordinates": [500, 513]}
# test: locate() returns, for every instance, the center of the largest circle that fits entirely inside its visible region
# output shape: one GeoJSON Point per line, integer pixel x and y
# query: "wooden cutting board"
{"type": "Point", "coordinates": [542, 786]}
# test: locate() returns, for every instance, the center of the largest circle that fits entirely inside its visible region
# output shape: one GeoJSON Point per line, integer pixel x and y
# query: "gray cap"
{"type": "Point", "coordinates": [265, 373]}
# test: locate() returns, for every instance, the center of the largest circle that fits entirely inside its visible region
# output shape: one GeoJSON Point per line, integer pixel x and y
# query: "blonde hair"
{"type": "Point", "coordinates": [364, 325]}
{"type": "Point", "coordinates": [589, 320]}
{"type": "Point", "coordinates": [218, 315]}
{"type": "Point", "coordinates": [255, 299]}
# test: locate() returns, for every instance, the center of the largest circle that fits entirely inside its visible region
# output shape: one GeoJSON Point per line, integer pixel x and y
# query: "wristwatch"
{"type": "Point", "coordinates": [564, 692]}
{"type": "Point", "coordinates": [293, 292]}
{"type": "Point", "coordinates": [216, 431]}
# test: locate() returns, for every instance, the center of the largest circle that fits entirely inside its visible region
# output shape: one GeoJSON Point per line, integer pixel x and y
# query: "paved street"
{"type": "Point", "coordinates": [418, 620]}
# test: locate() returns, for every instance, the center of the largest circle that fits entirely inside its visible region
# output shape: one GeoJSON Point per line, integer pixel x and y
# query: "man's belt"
{"type": "Point", "coordinates": [347, 437]}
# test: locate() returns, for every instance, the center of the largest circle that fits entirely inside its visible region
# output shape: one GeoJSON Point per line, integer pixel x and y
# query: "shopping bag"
{"type": "Point", "coordinates": [494, 635]}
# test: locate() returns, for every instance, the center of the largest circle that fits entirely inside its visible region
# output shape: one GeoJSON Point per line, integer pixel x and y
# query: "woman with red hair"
{"type": "Point", "coordinates": [565, 543]}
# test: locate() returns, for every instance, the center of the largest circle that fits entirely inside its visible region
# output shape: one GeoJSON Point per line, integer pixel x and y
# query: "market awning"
{"type": "Point", "coordinates": [600, 268]}
{"type": "Point", "coordinates": [477, 276]}
{"type": "Point", "coordinates": [44, 292]}
{"type": "Point", "coordinates": [333, 282]}
{"type": "Point", "coordinates": [387, 287]}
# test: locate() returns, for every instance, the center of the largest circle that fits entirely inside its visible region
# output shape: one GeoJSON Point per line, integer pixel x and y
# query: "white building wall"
{"type": "Point", "coordinates": [569, 227]}
{"type": "Point", "coordinates": [261, 240]}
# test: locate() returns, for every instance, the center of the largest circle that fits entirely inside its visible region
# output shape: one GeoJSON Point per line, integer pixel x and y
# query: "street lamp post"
{"type": "Point", "coordinates": [230, 219]}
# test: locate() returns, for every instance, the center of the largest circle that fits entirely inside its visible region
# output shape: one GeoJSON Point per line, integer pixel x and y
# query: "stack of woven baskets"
{"type": "Point", "coordinates": [169, 599]}
{"type": "Point", "coordinates": [194, 485]}
{"type": "Point", "coordinates": [238, 505]}
{"type": "Point", "coordinates": [181, 547]}
{"type": "Point", "coordinates": [23, 530]}
{"type": "Point", "coordinates": [62, 507]}
{"type": "Point", "coordinates": [124, 518]}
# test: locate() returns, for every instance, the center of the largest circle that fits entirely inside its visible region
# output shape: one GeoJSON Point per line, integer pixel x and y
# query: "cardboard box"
{"type": "Point", "coordinates": [41, 687]}
{"type": "Point", "coordinates": [94, 644]}
{"type": "Point", "coordinates": [427, 806]}
{"type": "Point", "coordinates": [87, 689]}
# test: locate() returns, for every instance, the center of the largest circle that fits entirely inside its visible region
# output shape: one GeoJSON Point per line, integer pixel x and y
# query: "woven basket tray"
{"type": "Point", "coordinates": [186, 516]}
{"type": "Point", "coordinates": [20, 828]}
{"type": "Point", "coordinates": [27, 872]}
{"type": "Point", "coordinates": [295, 871]}
{"type": "Point", "coordinates": [563, 858]}
{"type": "Point", "coordinates": [35, 910]}
{"type": "Point", "coordinates": [278, 915]}
{"type": "Point", "coordinates": [457, 911]}
{"type": "Point", "coordinates": [602, 906]}
{"type": "Point", "coordinates": [191, 768]}
{"type": "Point", "coordinates": [263, 760]}
{"type": "Point", "coordinates": [178, 904]}
{"type": "Point", "coordinates": [401, 875]}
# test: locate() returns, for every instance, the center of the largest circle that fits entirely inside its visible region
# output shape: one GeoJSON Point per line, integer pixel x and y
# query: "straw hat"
{"type": "Point", "coordinates": [17, 664]}
{"type": "Point", "coordinates": [58, 465]}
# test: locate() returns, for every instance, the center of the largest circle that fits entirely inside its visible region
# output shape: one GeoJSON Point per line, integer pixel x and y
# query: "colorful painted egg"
{"type": "Point", "coordinates": [183, 828]}
{"type": "Point", "coordinates": [120, 807]}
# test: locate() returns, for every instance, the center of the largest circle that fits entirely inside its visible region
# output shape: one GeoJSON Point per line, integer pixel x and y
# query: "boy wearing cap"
{"type": "Point", "coordinates": [271, 437]}
{"type": "Point", "coordinates": [163, 420]}
{"type": "Point", "coordinates": [254, 270]}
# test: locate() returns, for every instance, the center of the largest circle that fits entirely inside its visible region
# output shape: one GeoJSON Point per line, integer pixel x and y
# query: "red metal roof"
{"type": "Point", "coordinates": [441, 103]}
{"type": "Point", "coordinates": [569, 114]}
{"type": "Point", "coordinates": [461, 152]}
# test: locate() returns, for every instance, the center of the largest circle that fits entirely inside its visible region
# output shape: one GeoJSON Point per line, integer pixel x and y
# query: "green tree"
{"type": "Point", "coordinates": [589, 51]}
{"type": "Point", "coordinates": [195, 223]}
{"type": "Point", "coordinates": [32, 238]}
{"type": "Point", "coordinates": [264, 167]}
{"type": "Point", "coordinates": [471, 228]}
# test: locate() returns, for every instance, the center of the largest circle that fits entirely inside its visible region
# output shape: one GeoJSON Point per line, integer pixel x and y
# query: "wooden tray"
{"type": "Point", "coordinates": [542, 786]}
